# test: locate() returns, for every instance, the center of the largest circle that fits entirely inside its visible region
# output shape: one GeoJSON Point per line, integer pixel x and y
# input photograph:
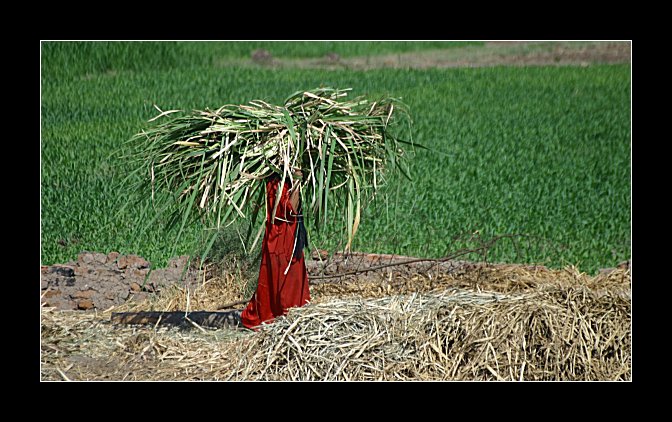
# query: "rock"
{"type": "Point", "coordinates": [51, 293]}
{"type": "Point", "coordinates": [139, 297]}
{"type": "Point", "coordinates": [63, 270]}
{"type": "Point", "coordinates": [84, 258]}
{"type": "Point", "coordinates": [319, 254]}
{"type": "Point", "coordinates": [122, 262]}
{"type": "Point", "coordinates": [84, 294]}
{"type": "Point", "coordinates": [95, 281]}
{"type": "Point", "coordinates": [178, 262]}
{"type": "Point", "coordinates": [99, 258]}
{"type": "Point", "coordinates": [140, 273]}
{"type": "Point", "coordinates": [150, 287]}
{"type": "Point", "coordinates": [60, 303]}
{"type": "Point", "coordinates": [131, 261]}
{"type": "Point", "coordinates": [91, 258]}
{"type": "Point", "coordinates": [112, 257]}
{"type": "Point", "coordinates": [157, 276]}
{"type": "Point", "coordinates": [105, 274]}
{"type": "Point", "coordinates": [81, 269]}
{"type": "Point", "coordinates": [85, 304]}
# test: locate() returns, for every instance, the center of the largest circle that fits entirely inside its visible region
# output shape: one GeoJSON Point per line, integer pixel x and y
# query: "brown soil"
{"type": "Point", "coordinates": [494, 53]}
{"type": "Point", "coordinates": [99, 282]}
{"type": "Point", "coordinates": [87, 345]}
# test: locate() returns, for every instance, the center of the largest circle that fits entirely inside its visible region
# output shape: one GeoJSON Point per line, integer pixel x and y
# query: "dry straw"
{"type": "Point", "coordinates": [567, 326]}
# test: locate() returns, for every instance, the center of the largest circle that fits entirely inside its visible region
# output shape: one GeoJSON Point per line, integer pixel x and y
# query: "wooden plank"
{"type": "Point", "coordinates": [203, 318]}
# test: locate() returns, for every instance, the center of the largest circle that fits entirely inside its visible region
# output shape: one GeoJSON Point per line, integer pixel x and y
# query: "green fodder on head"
{"type": "Point", "coordinates": [211, 164]}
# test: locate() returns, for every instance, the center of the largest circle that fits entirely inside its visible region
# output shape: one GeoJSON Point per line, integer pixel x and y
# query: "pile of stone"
{"type": "Point", "coordinates": [100, 281]}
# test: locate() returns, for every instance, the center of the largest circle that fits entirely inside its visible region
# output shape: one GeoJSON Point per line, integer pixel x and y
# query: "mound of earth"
{"type": "Point", "coordinates": [100, 281]}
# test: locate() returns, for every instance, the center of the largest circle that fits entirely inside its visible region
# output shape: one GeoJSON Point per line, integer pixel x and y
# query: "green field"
{"type": "Point", "coordinates": [540, 151]}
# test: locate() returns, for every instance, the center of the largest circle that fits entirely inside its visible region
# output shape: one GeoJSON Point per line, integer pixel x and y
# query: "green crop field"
{"type": "Point", "coordinates": [538, 151]}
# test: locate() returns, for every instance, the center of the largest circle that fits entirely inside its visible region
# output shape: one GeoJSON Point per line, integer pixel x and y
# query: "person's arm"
{"type": "Point", "coordinates": [295, 193]}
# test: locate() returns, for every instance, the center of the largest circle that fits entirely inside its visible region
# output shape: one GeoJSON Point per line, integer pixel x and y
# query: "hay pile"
{"type": "Point", "coordinates": [500, 278]}
{"type": "Point", "coordinates": [564, 334]}
{"type": "Point", "coordinates": [576, 328]}
{"type": "Point", "coordinates": [86, 346]}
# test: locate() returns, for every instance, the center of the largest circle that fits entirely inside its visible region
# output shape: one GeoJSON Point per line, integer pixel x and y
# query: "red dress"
{"type": "Point", "coordinates": [276, 292]}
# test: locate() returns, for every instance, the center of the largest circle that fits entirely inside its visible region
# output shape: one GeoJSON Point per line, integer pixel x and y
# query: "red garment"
{"type": "Point", "coordinates": [276, 292]}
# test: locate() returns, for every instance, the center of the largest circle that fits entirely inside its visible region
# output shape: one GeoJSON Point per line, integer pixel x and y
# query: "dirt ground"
{"type": "Point", "coordinates": [89, 345]}
{"type": "Point", "coordinates": [97, 281]}
{"type": "Point", "coordinates": [493, 53]}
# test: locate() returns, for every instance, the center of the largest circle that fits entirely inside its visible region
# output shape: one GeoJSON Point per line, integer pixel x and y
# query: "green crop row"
{"type": "Point", "coordinates": [541, 151]}
{"type": "Point", "coordinates": [72, 59]}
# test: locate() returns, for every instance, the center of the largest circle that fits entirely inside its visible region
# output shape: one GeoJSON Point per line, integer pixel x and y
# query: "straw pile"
{"type": "Point", "coordinates": [85, 346]}
{"type": "Point", "coordinates": [500, 278]}
{"type": "Point", "coordinates": [567, 327]}
{"type": "Point", "coordinates": [567, 334]}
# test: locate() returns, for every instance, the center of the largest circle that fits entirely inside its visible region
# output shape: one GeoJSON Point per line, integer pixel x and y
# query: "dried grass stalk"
{"type": "Point", "coordinates": [571, 327]}
{"type": "Point", "coordinates": [562, 334]}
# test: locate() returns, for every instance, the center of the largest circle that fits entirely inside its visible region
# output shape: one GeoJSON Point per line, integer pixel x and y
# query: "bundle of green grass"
{"type": "Point", "coordinates": [213, 164]}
